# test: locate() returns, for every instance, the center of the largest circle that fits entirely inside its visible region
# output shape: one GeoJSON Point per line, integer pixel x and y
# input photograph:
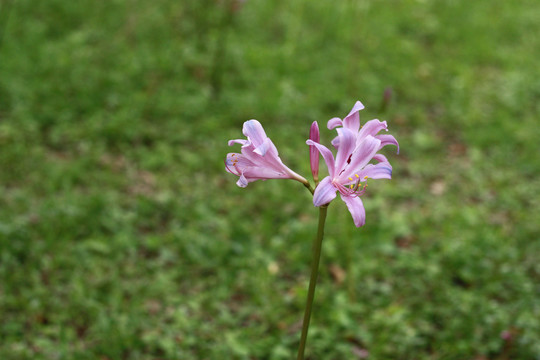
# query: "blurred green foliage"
{"type": "Point", "coordinates": [122, 237]}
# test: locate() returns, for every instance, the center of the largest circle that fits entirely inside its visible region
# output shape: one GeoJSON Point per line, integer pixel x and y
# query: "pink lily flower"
{"type": "Point", "coordinates": [372, 127]}
{"type": "Point", "coordinates": [350, 170]}
{"type": "Point", "coordinates": [259, 158]}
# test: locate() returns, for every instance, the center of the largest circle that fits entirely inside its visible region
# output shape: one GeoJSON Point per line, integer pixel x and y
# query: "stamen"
{"type": "Point", "coordinates": [356, 176]}
{"type": "Point", "coordinates": [350, 178]}
{"type": "Point", "coordinates": [352, 190]}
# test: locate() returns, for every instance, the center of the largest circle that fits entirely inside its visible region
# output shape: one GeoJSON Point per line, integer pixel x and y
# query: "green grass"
{"type": "Point", "coordinates": [122, 237]}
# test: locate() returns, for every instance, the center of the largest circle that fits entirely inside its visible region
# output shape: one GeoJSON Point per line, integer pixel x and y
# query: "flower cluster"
{"type": "Point", "coordinates": [348, 171]}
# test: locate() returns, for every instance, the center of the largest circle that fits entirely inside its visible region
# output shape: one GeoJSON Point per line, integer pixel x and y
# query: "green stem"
{"type": "Point", "coordinates": [317, 244]}
{"type": "Point", "coordinates": [308, 186]}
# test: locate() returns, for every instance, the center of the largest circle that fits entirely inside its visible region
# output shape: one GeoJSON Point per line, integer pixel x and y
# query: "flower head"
{"type": "Point", "coordinates": [350, 170]}
{"type": "Point", "coordinates": [372, 127]}
{"type": "Point", "coordinates": [259, 158]}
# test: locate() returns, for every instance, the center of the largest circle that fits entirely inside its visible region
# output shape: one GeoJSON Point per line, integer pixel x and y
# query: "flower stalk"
{"type": "Point", "coordinates": [309, 187]}
{"type": "Point", "coordinates": [317, 246]}
{"type": "Point", "coordinates": [348, 172]}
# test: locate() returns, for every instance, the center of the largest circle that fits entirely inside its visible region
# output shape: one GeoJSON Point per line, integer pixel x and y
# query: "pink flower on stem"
{"type": "Point", "coordinates": [372, 127]}
{"type": "Point", "coordinates": [259, 159]}
{"type": "Point", "coordinates": [348, 174]}
{"type": "Point", "coordinates": [350, 170]}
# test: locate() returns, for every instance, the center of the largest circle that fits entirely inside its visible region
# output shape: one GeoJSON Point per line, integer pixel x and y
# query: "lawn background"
{"type": "Point", "coordinates": [122, 237]}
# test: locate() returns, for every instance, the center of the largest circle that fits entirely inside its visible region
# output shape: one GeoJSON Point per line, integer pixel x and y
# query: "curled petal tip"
{"type": "Point", "coordinates": [388, 140]}
{"type": "Point", "coordinates": [254, 131]}
{"type": "Point", "coordinates": [334, 122]}
{"type": "Point", "coordinates": [358, 106]}
{"type": "Point", "coordinates": [237, 141]}
{"type": "Point", "coordinates": [242, 181]}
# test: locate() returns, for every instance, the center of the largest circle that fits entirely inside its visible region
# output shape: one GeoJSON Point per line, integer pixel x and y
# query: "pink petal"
{"type": "Point", "coordinates": [356, 208]}
{"type": "Point", "coordinates": [388, 140]}
{"type": "Point", "coordinates": [326, 154]}
{"type": "Point", "coordinates": [264, 155]}
{"type": "Point", "coordinates": [254, 131]}
{"type": "Point", "coordinates": [352, 121]}
{"type": "Point", "coordinates": [372, 127]}
{"type": "Point", "coordinates": [324, 192]}
{"type": "Point", "coordinates": [363, 154]}
{"type": "Point", "coordinates": [238, 141]}
{"type": "Point", "coordinates": [249, 171]}
{"type": "Point", "coordinates": [347, 143]}
{"type": "Point", "coordinates": [380, 158]}
{"type": "Point", "coordinates": [334, 122]}
{"type": "Point", "coordinates": [259, 172]}
{"type": "Point", "coordinates": [272, 150]}
{"type": "Point", "coordinates": [242, 181]}
{"type": "Point", "coordinates": [382, 170]}
{"type": "Point", "coordinates": [314, 135]}
{"type": "Point", "coordinates": [263, 148]}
